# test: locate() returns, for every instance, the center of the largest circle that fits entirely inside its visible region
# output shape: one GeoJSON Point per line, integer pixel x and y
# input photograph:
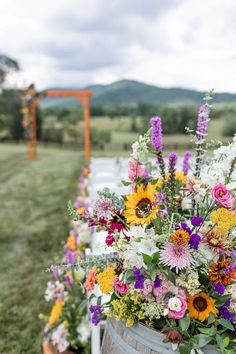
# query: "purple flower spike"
{"type": "Point", "coordinates": [194, 241]}
{"type": "Point", "coordinates": [219, 288]}
{"type": "Point", "coordinates": [186, 162]}
{"type": "Point", "coordinates": [156, 136]}
{"type": "Point", "coordinates": [197, 220]}
{"type": "Point", "coordinates": [68, 280]}
{"type": "Point", "coordinates": [172, 160]}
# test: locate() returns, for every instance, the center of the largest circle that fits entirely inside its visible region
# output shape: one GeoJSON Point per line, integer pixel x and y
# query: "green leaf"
{"type": "Point", "coordinates": [202, 340]}
{"type": "Point", "coordinates": [220, 342]}
{"type": "Point", "coordinates": [170, 275]}
{"type": "Point", "coordinates": [184, 323]}
{"type": "Point", "coordinates": [204, 330]}
{"type": "Point", "coordinates": [184, 348]}
{"type": "Point", "coordinates": [226, 324]}
{"type": "Point", "coordinates": [226, 341]}
{"type": "Point", "coordinates": [125, 183]}
{"type": "Point", "coordinates": [83, 305]}
{"type": "Point", "coordinates": [220, 300]}
{"type": "Point", "coordinates": [211, 318]}
{"type": "Point", "coordinates": [156, 257]}
{"type": "Point", "coordinates": [147, 259]}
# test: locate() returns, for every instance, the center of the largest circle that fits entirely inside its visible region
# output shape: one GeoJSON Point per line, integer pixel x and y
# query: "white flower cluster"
{"type": "Point", "coordinates": [154, 310]}
{"type": "Point", "coordinates": [190, 281]}
{"type": "Point", "coordinates": [143, 241]}
{"type": "Point", "coordinates": [55, 290]}
{"type": "Point", "coordinates": [219, 167]}
{"type": "Point", "coordinates": [140, 150]}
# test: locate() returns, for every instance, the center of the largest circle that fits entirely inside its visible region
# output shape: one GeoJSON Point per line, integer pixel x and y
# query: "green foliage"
{"type": "Point", "coordinates": [34, 223]}
{"type": "Point", "coordinates": [229, 128]}
{"type": "Point", "coordinates": [7, 65]}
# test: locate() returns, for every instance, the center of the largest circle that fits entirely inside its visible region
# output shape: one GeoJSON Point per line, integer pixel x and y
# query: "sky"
{"type": "Point", "coordinates": [75, 43]}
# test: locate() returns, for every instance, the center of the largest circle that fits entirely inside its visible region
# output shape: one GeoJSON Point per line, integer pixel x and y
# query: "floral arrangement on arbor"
{"type": "Point", "coordinates": [31, 96]}
{"type": "Point", "coordinates": [173, 243]}
{"type": "Point", "coordinates": [68, 325]}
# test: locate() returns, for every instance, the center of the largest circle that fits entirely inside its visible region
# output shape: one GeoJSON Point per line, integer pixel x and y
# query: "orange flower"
{"type": "Point", "coordinates": [90, 280]}
{"type": "Point", "coordinates": [180, 238]}
{"type": "Point", "coordinates": [200, 306]}
{"type": "Point", "coordinates": [55, 313]}
{"type": "Point", "coordinates": [222, 272]}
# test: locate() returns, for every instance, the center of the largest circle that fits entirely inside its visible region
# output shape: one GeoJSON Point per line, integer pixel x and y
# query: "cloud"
{"type": "Point", "coordinates": [167, 43]}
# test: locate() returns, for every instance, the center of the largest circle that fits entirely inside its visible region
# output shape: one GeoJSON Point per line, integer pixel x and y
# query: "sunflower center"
{"type": "Point", "coordinates": [200, 304]}
{"type": "Point", "coordinates": [143, 208]}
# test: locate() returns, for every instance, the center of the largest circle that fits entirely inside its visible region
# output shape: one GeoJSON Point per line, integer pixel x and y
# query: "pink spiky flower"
{"type": "Point", "coordinates": [177, 257]}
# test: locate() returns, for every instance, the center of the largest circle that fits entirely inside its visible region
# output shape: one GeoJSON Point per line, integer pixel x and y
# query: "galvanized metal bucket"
{"type": "Point", "coordinates": [119, 339]}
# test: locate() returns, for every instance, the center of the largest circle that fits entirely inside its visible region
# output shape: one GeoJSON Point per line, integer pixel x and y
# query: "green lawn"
{"type": "Point", "coordinates": [33, 226]}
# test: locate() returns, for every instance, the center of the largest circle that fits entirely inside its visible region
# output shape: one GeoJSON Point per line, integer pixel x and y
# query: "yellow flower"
{"type": "Point", "coordinates": [71, 243]}
{"type": "Point", "coordinates": [200, 306]}
{"type": "Point", "coordinates": [55, 313]}
{"type": "Point", "coordinates": [224, 219]}
{"type": "Point", "coordinates": [105, 279]}
{"type": "Point", "coordinates": [179, 176]}
{"type": "Point", "coordinates": [139, 208]}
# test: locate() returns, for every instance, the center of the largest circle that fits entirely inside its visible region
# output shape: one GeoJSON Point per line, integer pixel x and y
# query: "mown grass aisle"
{"type": "Point", "coordinates": [33, 224]}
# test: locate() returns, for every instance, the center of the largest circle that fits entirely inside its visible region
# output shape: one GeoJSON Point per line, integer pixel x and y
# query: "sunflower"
{"type": "Point", "coordinates": [139, 206]}
{"type": "Point", "coordinates": [200, 306]}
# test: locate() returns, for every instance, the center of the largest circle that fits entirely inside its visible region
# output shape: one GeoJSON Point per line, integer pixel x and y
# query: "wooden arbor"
{"type": "Point", "coordinates": [83, 96]}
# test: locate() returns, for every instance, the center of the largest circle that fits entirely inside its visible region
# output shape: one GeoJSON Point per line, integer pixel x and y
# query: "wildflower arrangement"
{"type": "Point", "coordinates": [30, 97]}
{"type": "Point", "coordinates": [174, 241]}
{"type": "Point", "coordinates": [68, 325]}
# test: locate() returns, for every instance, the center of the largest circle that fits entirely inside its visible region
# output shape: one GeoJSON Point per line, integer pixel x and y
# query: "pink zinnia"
{"type": "Point", "coordinates": [174, 256]}
{"type": "Point", "coordinates": [120, 287]}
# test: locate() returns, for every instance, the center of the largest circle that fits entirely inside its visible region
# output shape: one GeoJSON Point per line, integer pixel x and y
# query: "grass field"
{"type": "Point", "coordinates": [33, 226]}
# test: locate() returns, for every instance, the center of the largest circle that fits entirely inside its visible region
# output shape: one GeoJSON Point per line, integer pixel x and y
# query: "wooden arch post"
{"type": "Point", "coordinates": [83, 96]}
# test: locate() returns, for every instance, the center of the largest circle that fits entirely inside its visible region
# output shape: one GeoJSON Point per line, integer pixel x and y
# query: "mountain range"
{"type": "Point", "coordinates": [131, 92]}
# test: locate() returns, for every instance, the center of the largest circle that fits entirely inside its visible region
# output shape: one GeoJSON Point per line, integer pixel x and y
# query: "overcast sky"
{"type": "Point", "coordinates": [184, 43]}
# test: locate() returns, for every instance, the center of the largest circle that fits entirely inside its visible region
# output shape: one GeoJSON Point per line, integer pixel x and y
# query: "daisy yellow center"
{"type": "Point", "coordinates": [143, 208]}
{"type": "Point", "coordinates": [200, 304]}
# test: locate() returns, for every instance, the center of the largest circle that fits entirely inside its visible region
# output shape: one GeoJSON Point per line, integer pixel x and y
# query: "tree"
{"type": "Point", "coordinates": [7, 66]}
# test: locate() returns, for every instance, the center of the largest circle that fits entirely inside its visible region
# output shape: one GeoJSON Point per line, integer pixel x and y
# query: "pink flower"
{"type": "Point", "coordinates": [120, 287]}
{"type": "Point", "coordinates": [222, 195]}
{"type": "Point", "coordinates": [178, 257]}
{"type": "Point", "coordinates": [147, 287]}
{"type": "Point", "coordinates": [166, 286]}
{"type": "Point", "coordinates": [135, 170]}
{"type": "Point", "coordinates": [177, 306]}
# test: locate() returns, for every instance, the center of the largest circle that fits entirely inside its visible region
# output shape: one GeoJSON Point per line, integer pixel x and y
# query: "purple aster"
{"type": "Point", "coordinates": [186, 162]}
{"type": "Point", "coordinates": [225, 313]}
{"type": "Point", "coordinates": [202, 122]}
{"type": "Point", "coordinates": [219, 288]}
{"type": "Point", "coordinates": [96, 311]}
{"type": "Point", "coordinates": [197, 220]}
{"type": "Point", "coordinates": [157, 283]}
{"type": "Point", "coordinates": [184, 227]}
{"type": "Point", "coordinates": [194, 241]}
{"type": "Point", "coordinates": [156, 136]}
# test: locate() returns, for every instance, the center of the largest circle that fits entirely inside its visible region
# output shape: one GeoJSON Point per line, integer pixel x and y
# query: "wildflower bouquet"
{"type": "Point", "coordinates": [173, 243]}
{"type": "Point", "coordinates": [68, 325]}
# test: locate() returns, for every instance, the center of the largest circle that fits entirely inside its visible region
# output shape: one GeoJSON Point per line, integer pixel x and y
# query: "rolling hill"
{"type": "Point", "coordinates": [130, 92]}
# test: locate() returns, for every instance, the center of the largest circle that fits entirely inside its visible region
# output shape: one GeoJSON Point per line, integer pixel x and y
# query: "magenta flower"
{"type": "Point", "coordinates": [177, 257]}
{"type": "Point", "coordinates": [109, 240]}
{"type": "Point", "coordinates": [120, 287]}
{"type": "Point", "coordinates": [156, 137]}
